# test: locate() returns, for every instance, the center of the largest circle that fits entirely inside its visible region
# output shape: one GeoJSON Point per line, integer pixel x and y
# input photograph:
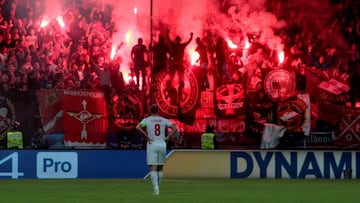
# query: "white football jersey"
{"type": "Point", "coordinates": [156, 127]}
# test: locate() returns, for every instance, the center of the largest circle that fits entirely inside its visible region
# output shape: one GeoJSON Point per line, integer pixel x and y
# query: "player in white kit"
{"type": "Point", "coordinates": [154, 128]}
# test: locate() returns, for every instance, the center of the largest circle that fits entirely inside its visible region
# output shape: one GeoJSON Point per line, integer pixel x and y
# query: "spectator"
{"type": "Point", "coordinates": [8, 40]}
{"type": "Point", "coordinates": [354, 54]}
{"type": "Point", "coordinates": [89, 74]}
{"type": "Point", "coordinates": [221, 51]}
{"type": "Point", "coordinates": [34, 55]}
{"type": "Point", "coordinates": [138, 54]}
{"type": "Point", "coordinates": [160, 55]}
{"type": "Point", "coordinates": [324, 60]}
{"type": "Point", "coordinates": [20, 26]}
{"type": "Point", "coordinates": [34, 79]}
{"type": "Point", "coordinates": [236, 68]}
{"type": "Point", "coordinates": [3, 56]}
{"type": "Point", "coordinates": [117, 78]}
{"type": "Point", "coordinates": [203, 60]}
{"type": "Point", "coordinates": [178, 48]}
{"type": "Point", "coordinates": [38, 141]}
{"type": "Point", "coordinates": [102, 70]}
{"type": "Point", "coordinates": [77, 75]}
{"type": "Point", "coordinates": [47, 80]}
{"type": "Point", "coordinates": [177, 53]}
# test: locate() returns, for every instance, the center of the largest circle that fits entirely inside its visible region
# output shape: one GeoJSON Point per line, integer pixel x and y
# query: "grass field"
{"type": "Point", "coordinates": [192, 190]}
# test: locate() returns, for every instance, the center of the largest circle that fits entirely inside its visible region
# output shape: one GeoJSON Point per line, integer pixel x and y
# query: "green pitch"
{"type": "Point", "coordinates": [171, 191]}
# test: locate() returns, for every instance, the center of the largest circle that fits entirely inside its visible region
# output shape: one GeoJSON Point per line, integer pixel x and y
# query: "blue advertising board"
{"type": "Point", "coordinates": [21, 164]}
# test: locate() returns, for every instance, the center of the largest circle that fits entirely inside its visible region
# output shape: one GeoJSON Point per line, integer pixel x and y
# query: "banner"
{"type": "Point", "coordinates": [259, 110]}
{"type": "Point", "coordinates": [177, 92]}
{"type": "Point", "coordinates": [50, 107]}
{"type": "Point", "coordinates": [329, 84]}
{"type": "Point", "coordinates": [294, 114]}
{"type": "Point", "coordinates": [349, 131]}
{"type": "Point", "coordinates": [230, 100]}
{"type": "Point", "coordinates": [279, 85]}
{"type": "Point", "coordinates": [129, 106]}
{"type": "Point", "coordinates": [85, 118]}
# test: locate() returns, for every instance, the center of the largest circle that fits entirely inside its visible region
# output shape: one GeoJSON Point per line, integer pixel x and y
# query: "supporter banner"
{"type": "Point", "coordinates": [329, 84]}
{"type": "Point", "coordinates": [230, 100]}
{"type": "Point", "coordinates": [207, 101]}
{"type": "Point", "coordinates": [271, 136]}
{"type": "Point", "coordinates": [129, 104]}
{"type": "Point", "coordinates": [177, 93]}
{"type": "Point", "coordinates": [294, 114]}
{"type": "Point", "coordinates": [85, 118]}
{"type": "Point", "coordinates": [222, 125]}
{"type": "Point", "coordinates": [51, 111]}
{"type": "Point", "coordinates": [259, 110]}
{"type": "Point", "coordinates": [279, 85]}
{"type": "Point", "coordinates": [349, 132]}
{"type": "Point", "coordinates": [129, 107]}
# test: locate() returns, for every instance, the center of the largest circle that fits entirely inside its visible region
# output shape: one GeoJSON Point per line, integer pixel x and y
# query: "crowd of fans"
{"type": "Point", "coordinates": [35, 55]}
{"type": "Point", "coordinates": [40, 54]}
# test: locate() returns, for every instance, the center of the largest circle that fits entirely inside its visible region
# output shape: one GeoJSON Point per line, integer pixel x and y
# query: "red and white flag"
{"type": "Point", "coordinates": [85, 119]}
{"type": "Point", "coordinates": [50, 107]}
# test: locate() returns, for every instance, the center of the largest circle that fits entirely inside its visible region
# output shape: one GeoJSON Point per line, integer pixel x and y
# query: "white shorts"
{"type": "Point", "coordinates": [156, 153]}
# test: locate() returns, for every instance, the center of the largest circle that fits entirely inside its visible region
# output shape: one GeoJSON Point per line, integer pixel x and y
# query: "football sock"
{"type": "Point", "coordinates": [160, 174]}
{"type": "Point", "coordinates": [154, 179]}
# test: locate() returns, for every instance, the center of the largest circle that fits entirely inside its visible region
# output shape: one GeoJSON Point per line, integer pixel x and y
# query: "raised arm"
{"type": "Point", "coordinates": [168, 36]}
{"type": "Point", "coordinates": [191, 36]}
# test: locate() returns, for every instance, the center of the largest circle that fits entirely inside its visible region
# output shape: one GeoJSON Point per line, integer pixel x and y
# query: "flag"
{"type": "Point", "coordinates": [85, 118]}
{"type": "Point", "coordinates": [230, 100]}
{"type": "Point", "coordinates": [294, 114]}
{"type": "Point", "coordinates": [348, 133]}
{"type": "Point", "coordinates": [50, 107]}
{"type": "Point", "coordinates": [177, 93]}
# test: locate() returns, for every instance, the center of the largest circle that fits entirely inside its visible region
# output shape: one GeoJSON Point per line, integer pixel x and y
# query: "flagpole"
{"type": "Point", "coordinates": [151, 20]}
{"type": "Point", "coordinates": [151, 62]}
